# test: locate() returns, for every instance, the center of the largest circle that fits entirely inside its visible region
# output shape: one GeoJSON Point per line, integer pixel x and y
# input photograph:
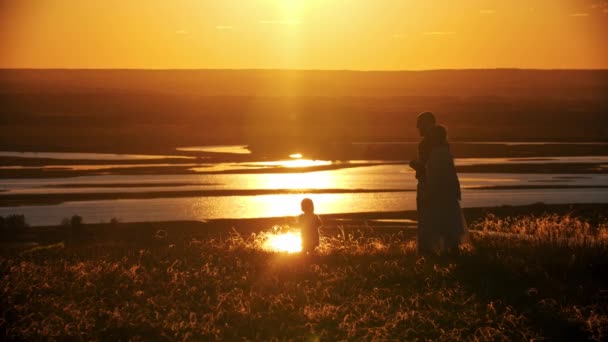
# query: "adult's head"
{"type": "Point", "coordinates": [307, 206]}
{"type": "Point", "coordinates": [424, 122]}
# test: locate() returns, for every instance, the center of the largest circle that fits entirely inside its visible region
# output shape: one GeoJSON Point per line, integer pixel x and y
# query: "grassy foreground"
{"type": "Point", "coordinates": [522, 277]}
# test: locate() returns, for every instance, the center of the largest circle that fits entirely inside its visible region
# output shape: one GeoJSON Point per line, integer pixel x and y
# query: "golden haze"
{"type": "Point", "coordinates": [304, 34]}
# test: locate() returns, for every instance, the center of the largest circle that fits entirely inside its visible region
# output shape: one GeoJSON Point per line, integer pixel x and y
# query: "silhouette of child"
{"type": "Point", "coordinates": [309, 226]}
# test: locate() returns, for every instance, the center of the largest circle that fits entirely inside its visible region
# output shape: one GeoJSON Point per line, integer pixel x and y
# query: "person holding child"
{"type": "Point", "coordinates": [446, 224]}
{"type": "Point", "coordinates": [441, 225]}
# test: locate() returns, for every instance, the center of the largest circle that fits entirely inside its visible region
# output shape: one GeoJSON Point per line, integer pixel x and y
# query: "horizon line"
{"type": "Point", "coordinates": [307, 70]}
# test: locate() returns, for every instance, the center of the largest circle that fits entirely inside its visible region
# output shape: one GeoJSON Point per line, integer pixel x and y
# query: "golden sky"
{"type": "Point", "coordinates": [304, 34]}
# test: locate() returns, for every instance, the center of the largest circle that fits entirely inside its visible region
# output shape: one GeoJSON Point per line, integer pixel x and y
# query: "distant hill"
{"type": "Point", "coordinates": [499, 82]}
{"type": "Point", "coordinates": [157, 110]}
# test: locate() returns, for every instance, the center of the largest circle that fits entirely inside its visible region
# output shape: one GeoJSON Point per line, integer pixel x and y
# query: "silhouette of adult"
{"type": "Point", "coordinates": [425, 122]}
{"type": "Point", "coordinates": [445, 225]}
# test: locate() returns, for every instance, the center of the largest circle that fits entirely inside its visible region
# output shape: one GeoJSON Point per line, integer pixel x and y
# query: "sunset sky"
{"type": "Point", "coordinates": [304, 34]}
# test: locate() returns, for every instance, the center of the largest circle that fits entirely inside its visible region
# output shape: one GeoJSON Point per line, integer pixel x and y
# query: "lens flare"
{"type": "Point", "coordinates": [290, 242]}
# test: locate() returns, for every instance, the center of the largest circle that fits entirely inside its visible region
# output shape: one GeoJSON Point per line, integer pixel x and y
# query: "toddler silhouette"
{"type": "Point", "coordinates": [309, 226]}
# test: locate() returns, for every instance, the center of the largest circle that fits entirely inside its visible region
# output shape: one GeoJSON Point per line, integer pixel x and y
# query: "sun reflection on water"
{"type": "Point", "coordinates": [294, 163]}
{"type": "Point", "coordinates": [308, 180]}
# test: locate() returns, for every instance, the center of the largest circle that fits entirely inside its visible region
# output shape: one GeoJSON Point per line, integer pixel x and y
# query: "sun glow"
{"type": "Point", "coordinates": [303, 34]}
{"type": "Point", "coordinates": [290, 242]}
{"type": "Point", "coordinates": [292, 7]}
{"type": "Point", "coordinates": [295, 163]}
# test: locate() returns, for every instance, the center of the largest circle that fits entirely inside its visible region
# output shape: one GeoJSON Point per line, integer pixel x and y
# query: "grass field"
{"type": "Point", "coordinates": [521, 278]}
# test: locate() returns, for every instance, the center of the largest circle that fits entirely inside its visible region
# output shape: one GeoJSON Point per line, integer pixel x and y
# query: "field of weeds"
{"type": "Point", "coordinates": [521, 278]}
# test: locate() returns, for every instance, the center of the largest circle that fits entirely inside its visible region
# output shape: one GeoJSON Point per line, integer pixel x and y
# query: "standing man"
{"type": "Point", "coordinates": [425, 122]}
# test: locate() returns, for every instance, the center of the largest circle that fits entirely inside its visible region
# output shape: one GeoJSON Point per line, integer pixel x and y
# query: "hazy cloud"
{"type": "Point", "coordinates": [181, 32]}
{"type": "Point", "coordinates": [224, 27]}
{"type": "Point", "coordinates": [281, 22]}
{"type": "Point", "coordinates": [579, 14]}
{"type": "Point", "coordinates": [438, 33]}
{"type": "Point", "coordinates": [600, 6]}
{"type": "Point", "coordinates": [487, 11]}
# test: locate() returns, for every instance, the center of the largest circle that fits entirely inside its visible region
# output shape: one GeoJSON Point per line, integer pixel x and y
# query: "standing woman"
{"type": "Point", "coordinates": [447, 227]}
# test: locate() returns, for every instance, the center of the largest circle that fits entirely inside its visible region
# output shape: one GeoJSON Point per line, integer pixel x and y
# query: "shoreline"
{"type": "Point", "coordinates": [18, 200]}
{"type": "Point", "coordinates": [404, 221]}
{"type": "Point", "coordinates": [8, 200]}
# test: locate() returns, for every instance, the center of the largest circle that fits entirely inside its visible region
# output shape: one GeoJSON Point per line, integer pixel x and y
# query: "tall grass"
{"type": "Point", "coordinates": [556, 230]}
{"type": "Point", "coordinates": [361, 284]}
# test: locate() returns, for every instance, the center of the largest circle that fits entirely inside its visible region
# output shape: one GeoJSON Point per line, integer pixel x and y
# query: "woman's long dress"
{"type": "Point", "coordinates": [446, 225]}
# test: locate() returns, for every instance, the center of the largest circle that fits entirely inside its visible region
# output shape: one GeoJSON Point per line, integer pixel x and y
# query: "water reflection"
{"type": "Point", "coordinates": [201, 208]}
{"type": "Point", "coordinates": [289, 205]}
{"type": "Point", "coordinates": [307, 180]}
{"type": "Point", "coordinates": [506, 143]}
{"type": "Point", "coordinates": [469, 180]}
{"type": "Point", "coordinates": [376, 177]}
{"type": "Point", "coordinates": [233, 149]}
{"type": "Point", "coordinates": [530, 160]}
{"type": "Point", "coordinates": [225, 167]}
{"type": "Point", "coordinates": [294, 163]}
{"type": "Point", "coordinates": [87, 156]}
{"type": "Point", "coordinates": [79, 167]}
{"type": "Point", "coordinates": [301, 163]}
{"type": "Point", "coordinates": [369, 177]}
